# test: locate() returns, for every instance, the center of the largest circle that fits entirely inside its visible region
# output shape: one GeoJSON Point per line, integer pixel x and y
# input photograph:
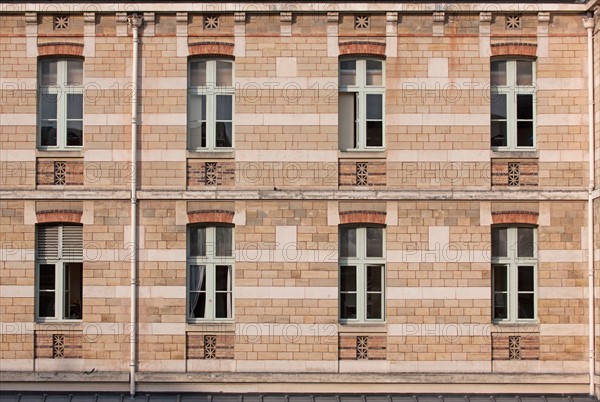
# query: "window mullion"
{"type": "Point", "coordinates": [59, 288]}
{"type": "Point", "coordinates": [210, 290]}
{"type": "Point", "coordinates": [61, 106]}
{"type": "Point", "coordinates": [211, 106]}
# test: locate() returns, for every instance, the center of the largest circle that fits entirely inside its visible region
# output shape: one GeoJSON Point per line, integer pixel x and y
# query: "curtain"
{"type": "Point", "coordinates": [196, 279]}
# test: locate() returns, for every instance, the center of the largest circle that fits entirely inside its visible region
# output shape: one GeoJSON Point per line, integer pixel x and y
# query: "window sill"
{"type": "Point", "coordinates": [210, 326]}
{"type": "Point", "coordinates": [376, 327]}
{"type": "Point", "coordinates": [533, 326]}
{"type": "Point", "coordinates": [57, 153]}
{"type": "Point", "coordinates": [362, 154]}
{"type": "Point", "coordinates": [532, 154]}
{"type": "Point", "coordinates": [200, 154]}
{"type": "Point", "coordinates": [62, 325]}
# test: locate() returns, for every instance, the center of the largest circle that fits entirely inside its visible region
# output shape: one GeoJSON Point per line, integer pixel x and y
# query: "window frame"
{"type": "Point", "coordinates": [211, 91]}
{"type": "Point", "coordinates": [59, 278]}
{"type": "Point", "coordinates": [512, 262]}
{"type": "Point", "coordinates": [62, 89]}
{"type": "Point", "coordinates": [210, 261]}
{"type": "Point", "coordinates": [512, 90]}
{"type": "Point", "coordinates": [362, 90]}
{"type": "Point", "coordinates": [361, 262]}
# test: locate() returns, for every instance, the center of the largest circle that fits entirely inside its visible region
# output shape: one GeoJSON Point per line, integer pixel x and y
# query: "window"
{"type": "Point", "coordinates": [361, 104]}
{"type": "Point", "coordinates": [210, 105]}
{"type": "Point", "coordinates": [512, 104]}
{"type": "Point", "coordinates": [60, 104]}
{"type": "Point", "coordinates": [362, 274]}
{"type": "Point", "coordinates": [59, 272]}
{"type": "Point", "coordinates": [514, 273]}
{"type": "Point", "coordinates": [210, 273]}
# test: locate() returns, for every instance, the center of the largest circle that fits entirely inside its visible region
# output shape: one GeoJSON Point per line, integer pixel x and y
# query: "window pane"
{"type": "Point", "coordinates": [374, 106]}
{"type": "Point", "coordinates": [47, 277]}
{"type": "Point", "coordinates": [374, 278]}
{"type": "Point", "coordinates": [224, 241]}
{"type": "Point", "coordinates": [223, 305]}
{"type": "Point", "coordinates": [224, 74]}
{"type": "Point", "coordinates": [74, 106]}
{"type": "Point", "coordinates": [48, 120]}
{"type": "Point", "coordinates": [347, 120]}
{"type": "Point", "coordinates": [348, 279]}
{"type": "Point", "coordinates": [500, 306]}
{"type": "Point", "coordinates": [73, 290]}
{"type": "Point", "coordinates": [498, 106]}
{"type": "Point", "coordinates": [348, 72]}
{"type": "Point", "coordinates": [525, 281]}
{"type": "Point", "coordinates": [46, 304]}
{"type": "Point", "coordinates": [498, 134]}
{"type": "Point", "coordinates": [197, 291]}
{"type": "Point", "coordinates": [374, 134]}
{"type": "Point", "coordinates": [223, 278]}
{"type": "Point", "coordinates": [525, 244]}
{"type": "Point", "coordinates": [49, 68]}
{"type": "Point", "coordinates": [197, 121]}
{"type": "Point", "coordinates": [499, 242]}
{"type": "Point", "coordinates": [374, 242]}
{"type": "Point", "coordinates": [498, 72]}
{"type": "Point", "coordinates": [74, 72]}
{"type": "Point", "coordinates": [74, 133]}
{"type": "Point", "coordinates": [348, 305]}
{"type": "Point", "coordinates": [223, 133]}
{"type": "Point", "coordinates": [198, 74]}
{"type": "Point", "coordinates": [500, 278]}
{"type": "Point", "coordinates": [48, 106]}
{"type": "Point", "coordinates": [198, 242]}
{"type": "Point", "coordinates": [524, 72]}
{"type": "Point", "coordinates": [374, 306]}
{"type": "Point", "coordinates": [224, 103]}
{"type": "Point", "coordinates": [526, 306]}
{"type": "Point", "coordinates": [374, 72]}
{"type": "Point", "coordinates": [347, 242]}
{"type": "Point", "coordinates": [525, 133]}
{"type": "Point", "coordinates": [524, 107]}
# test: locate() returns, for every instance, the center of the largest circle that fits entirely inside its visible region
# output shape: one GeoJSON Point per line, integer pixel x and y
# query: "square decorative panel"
{"type": "Point", "coordinates": [513, 22]}
{"type": "Point", "coordinates": [211, 21]}
{"type": "Point", "coordinates": [60, 22]}
{"type": "Point", "coordinates": [362, 22]}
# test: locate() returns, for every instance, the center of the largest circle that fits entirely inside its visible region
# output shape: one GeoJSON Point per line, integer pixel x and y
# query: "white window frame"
{"type": "Point", "coordinates": [61, 90]}
{"type": "Point", "coordinates": [361, 89]}
{"type": "Point", "coordinates": [210, 261]}
{"type": "Point", "coordinates": [512, 90]}
{"type": "Point", "coordinates": [512, 262]}
{"type": "Point", "coordinates": [361, 262]}
{"type": "Point", "coordinates": [59, 277]}
{"type": "Point", "coordinates": [211, 91]}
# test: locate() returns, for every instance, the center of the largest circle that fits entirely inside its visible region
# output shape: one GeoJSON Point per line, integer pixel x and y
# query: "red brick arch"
{"type": "Point", "coordinates": [60, 49]}
{"type": "Point", "coordinates": [362, 48]}
{"type": "Point", "coordinates": [515, 217]}
{"type": "Point", "coordinates": [362, 217]}
{"type": "Point", "coordinates": [514, 49]}
{"type": "Point", "coordinates": [58, 216]}
{"type": "Point", "coordinates": [211, 49]}
{"type": "Point", "coordinates": [211, 215]}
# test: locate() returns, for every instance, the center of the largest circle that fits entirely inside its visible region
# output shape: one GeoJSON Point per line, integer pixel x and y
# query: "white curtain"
{"type": "Point", "coordinates": [196, 279]}
{"type": "Point", "coordinates": [229, 292]}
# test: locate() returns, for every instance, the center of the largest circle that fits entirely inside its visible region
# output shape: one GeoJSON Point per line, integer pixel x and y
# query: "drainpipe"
{"type": "Point", "coordinates": [135, 21]}
{"type": "Point", "coordinates": [588, 24]}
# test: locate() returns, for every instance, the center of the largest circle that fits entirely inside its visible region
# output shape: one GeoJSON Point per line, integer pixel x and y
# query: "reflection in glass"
{"type": "Point", "coordinates": [374, 72]}
{"type": "Point", "coordinates": [498, 72]}
{"type": "Point", "coordinates": [525, 242]}
{"type": "Point", "coordinates": [198, 241]}
{"type": "Point", "coordinates": [224, 241]}
{"type": "Point", "coordinates": [224, 74]}
{"type": "Point", "coordinates": [524, 72]}
{"type": "Point", "coordinates": [499, 242]}
{"type": "Point", "coordinates": [198, 74]}
{"type": "Point", "coordinates": [348, 72]}
{"type": "Point", "coordinates": [347, 242]}
{"type": "Point", "coordinates": [374, 242]}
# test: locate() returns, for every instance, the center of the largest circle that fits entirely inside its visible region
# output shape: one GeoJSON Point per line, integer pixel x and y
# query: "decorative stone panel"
{"type": "Point", "coordinates": [516, 346]}
{"type": "Point", "coordinates": [52, 172]}
{"type": "Point", "coordinates": [515, 217]}
{"type": "Point", "coordinates": [59, 216]}
{"type": "Point", "coordinates": [211, 216]}
{"type": "Point", "coordinates": [514, 173]}
{"type": "Point", "coordinates": [60, 49]}
{"type": "Point", "coordinates": [58, 344]}
{"type": "Point", "coordinates": [362, 173]}
{"type": "Point", "coordinates": [362, 347]}
{"type": "Point", "coordinates": [359, 48]}
{"type": "Point", "coordinates": [362, 217]}
{"type": "Point", "coordinates": [205, 173]}
{"type": "Point", "coordinates": [211, 49]}
{"type": "Point", "coordinates": [514, 49]}
{"type": "Point", "coordinates": [209, 346]}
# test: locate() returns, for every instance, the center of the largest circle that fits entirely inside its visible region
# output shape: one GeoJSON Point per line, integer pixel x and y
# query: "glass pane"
{"type": "Point", "coordinates": [46, 304]}
{"type": "Point", "coordinates": [224, 74]}
{"type": "Point", "coordinates": [48, 106]}
{"type": "Point", "coordinates": [525, 281]}
{"type": "Point", "coordinates": [347, 72]}
{"type": "Point", "coordinates": [347, 242]}
{"type": "Point", "coordinates": [198, 73]}
{"type": "Point", "coordinates": [500, 278]}
{"type": "Point", "coordinates": [49, 68]}
{"type": "Point", "coordinates": [74, 72]}
{"type": "Point", "coordinates": [524, 107]}
{"type": "Point", "coordinates": [197, 278]}
{"type": "Point", "coordinates": [74, 106]}
{"type": "Point", "coordinates": [499, 242]}
{"type": "Point", "coordinates": [374, 242]}
{"type": "Point", "coordinates": [374, 72]}
{"type": "Point", "coordinates": [197, 107]}
{"type": "Point", "coordinates": [47, 277]}
{"type": "Point", "coordinates": [48, 134]}
{"type": "Point", "coordinates": [198, 307]}
{"type": "Point", "coordinates": [224, 241]}
{"type": "Point", "coordinates": [526, 305]}
{"type": "Point", "coordinates": [525, 244]}
{"type": "Point", "coordinates": [348, 305]}
{"type": "Point", "coordinates": [223, 278]}
{"type": "Point", "coordinates": [74, 291]}
{"type": "Point", "coordinates": [498, 133]}
{"type": "Point", "coordinates": [223, 305]}
{"type": "Point", "coordinates": [347, 120]}
{"type": "Point", "coordinates": [498, 106]}
{"type": "Point", "coordinates": [224, 103]}
{"type": "Point", "coordinates": [348, 279]}
{"type": "Point", "coordinates": [524, 72]}
{"type": "Point", "coordinates": [374, 278]}
{"type": "Point", "coordinates": [500, 306]}
{"type": "Point", "coordinates": [198, 242]}
{"type": "Point", "coordinates": [197, 121]}
{"type": "Point", "coordinates": [374, 306]}
{"type": "Point", "coordinates": [374, 107]}
{"type": "Point", "coordinates": [525, 133]}
{"type": "Point", "coordinates": [374, 134]}
{"type": "Point", "coordinates": [498, 72]}
{"type": "Point", "coordinates": [197, 293]}
{"type": "Point", "coordinates": [74, 133]}
{"type": "Point", "coordinates": [223, 135]}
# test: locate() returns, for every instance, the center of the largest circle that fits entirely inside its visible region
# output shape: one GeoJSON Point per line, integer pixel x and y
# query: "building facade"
{"type": "Point", "coordinates": [317, 197]}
